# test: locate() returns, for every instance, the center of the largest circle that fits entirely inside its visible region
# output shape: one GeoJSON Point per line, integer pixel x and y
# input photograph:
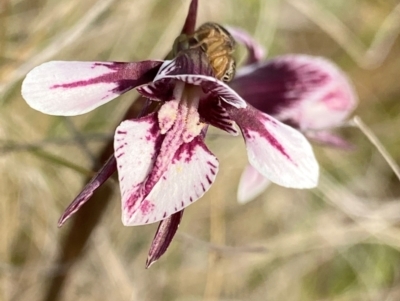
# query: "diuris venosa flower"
{"type": "Point", "coordinates": [162, 160]}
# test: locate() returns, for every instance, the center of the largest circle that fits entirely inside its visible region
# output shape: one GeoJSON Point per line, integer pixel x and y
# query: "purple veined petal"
{"type": "Point", "coordinates": [326, 138]}
{"type": "Point", "coordinates": [190, 174]}
{"type": "Point", "coordinates": [191, 61]}
{"type": "Point", "coordinates": [210, 85]}
{"type": "Point", "coordinates": [192, 67]}
{"type": "Point", "coordinates": [104, 173]}
{"type": "Point", "coordinates": [277, 151]}
{"type": "Point", "coordinates": [187, 62]}
{"type": "Point", "coordinates": [158, 91]}
{"type": "Point", "coordinates": [167, 67]}
{"type": "Point", "coordinates": [251, 185]}
{"type": "Point", "coordinates": [74, 88]}
{"type": "Point", "coordinates": [211, 110]}
{"type": "Point", "coordinates": [135, 149]}
{"type": "Point", "coordinates": [165, 233]}
{"type": "Point", "coordinates": [309, 92]}
{"type": "Point", "coordinates": [255, 51]}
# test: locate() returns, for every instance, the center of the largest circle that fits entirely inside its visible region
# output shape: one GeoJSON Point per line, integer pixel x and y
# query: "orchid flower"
{"type": "Point", "coordinates": [163, 163]}
{"type": "Point", "coordinates": [162, 160]}
{"type": "Point", "coordinates": [308, 93]}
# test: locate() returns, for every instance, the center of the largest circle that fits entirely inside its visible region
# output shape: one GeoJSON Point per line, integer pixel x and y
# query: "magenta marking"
{"type": "Point", "coordinates": [185, 152]}
{"type": "Point", "coordinates": [149, 138]}
{"type": "Point", "coordinates": [106, 78]}
{"type": "Point", "coordinates": [130, 202]}
{"type": "Point", "coordinates": [120, 147]}
{"type": "Point", "coordinates": [147, 207]}
{"type": "Point", "coordinates": [124, 76]}
{"type": "Point", "coordinates": [250, 119]}
{"type": "Point", "coordinates": [336, 100]}
{"type": "Point", "coordinates": [271, 140]}
{"type": "Point", "coordinates": [212, 165]}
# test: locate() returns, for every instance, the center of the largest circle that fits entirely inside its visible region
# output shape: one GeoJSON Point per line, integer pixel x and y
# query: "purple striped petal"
{"type": "Point", "coordinates": [277, 151]}
{"type": "Point", "coordinates": [74, 88]}
{"type": "Point", "coordinates": [255, 52]}
{"type": "Point", "coordinates": [304, 91]}
{"type": "Point", "coordinates": [158, 91]}
{"type": "Point", "coordinates": [209, 84]}
{"type": "Point", "coordinates": [251, 185]}
{"type": "Point", "coordinates": [191, 61]}
{"type": "Point", "coordinates": [191, 67]}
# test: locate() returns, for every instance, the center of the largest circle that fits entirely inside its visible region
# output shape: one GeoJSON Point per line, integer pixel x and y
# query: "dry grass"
{"type": "Point", "coordinates": [338, 242]}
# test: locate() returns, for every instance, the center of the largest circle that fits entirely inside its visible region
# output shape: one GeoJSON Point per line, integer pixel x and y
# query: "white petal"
{"type": "Point", "coordinates": [74, 88]}
{"type": "Point", "coordinates": [277, 151]}
{"type": "Point", "coordinates": [251, 185]}
{"type": "Point", "coordinates": [190, 174]}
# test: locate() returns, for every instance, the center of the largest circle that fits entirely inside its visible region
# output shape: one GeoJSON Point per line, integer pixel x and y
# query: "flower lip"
{"type": "Point", "coordinates": [155, 189]}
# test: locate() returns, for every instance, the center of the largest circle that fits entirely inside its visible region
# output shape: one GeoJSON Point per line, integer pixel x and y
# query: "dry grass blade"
{"type": "Point", "coordinates": [366, 57]}
{"type": "Point", "coordinates": [375, 141]}
{"type": "Point", "coordinates": [57, 45]}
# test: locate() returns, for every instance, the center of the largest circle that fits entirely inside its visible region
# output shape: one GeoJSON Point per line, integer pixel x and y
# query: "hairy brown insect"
{"type": "Point", "coordinates": [218, 45]}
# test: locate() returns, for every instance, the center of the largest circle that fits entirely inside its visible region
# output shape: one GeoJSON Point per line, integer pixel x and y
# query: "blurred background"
{"type": "Point", "coordinates": [337, 242]}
